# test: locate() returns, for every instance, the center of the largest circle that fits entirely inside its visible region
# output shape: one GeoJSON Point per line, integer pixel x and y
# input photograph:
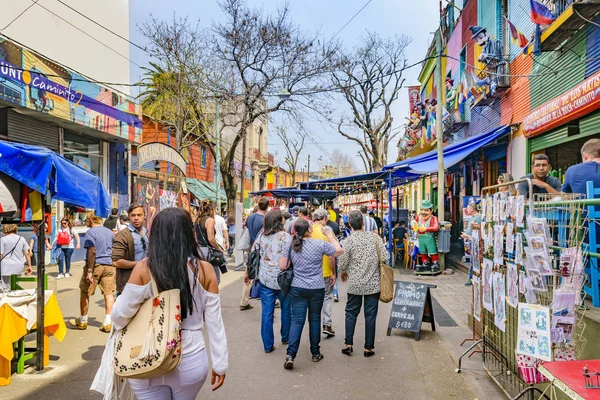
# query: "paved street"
{"type": "Point", "coordinates": [402, 366]}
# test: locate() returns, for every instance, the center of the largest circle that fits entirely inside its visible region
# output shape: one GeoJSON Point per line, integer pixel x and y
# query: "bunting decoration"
{"type": "Point", "coordinates": [517, 37]}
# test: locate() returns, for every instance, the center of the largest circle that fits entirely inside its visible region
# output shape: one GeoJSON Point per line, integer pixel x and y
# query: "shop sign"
{"type": "Point", "coordinates": [160, 152]}
{"type": "Point", "coordinates": [45, 86]}
{"type": "Point", "coordinates": [414, 96]}
{"type": "Point", "coordinates": [577, 102]}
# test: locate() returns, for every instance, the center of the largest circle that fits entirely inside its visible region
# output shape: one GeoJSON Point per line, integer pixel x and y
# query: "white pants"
{"type": "Point", "coordinates": [184, 383]}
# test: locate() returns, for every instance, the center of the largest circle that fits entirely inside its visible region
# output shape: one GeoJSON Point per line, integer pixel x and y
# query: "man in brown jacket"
{"type": "Point", "coordinates": [130, 245]}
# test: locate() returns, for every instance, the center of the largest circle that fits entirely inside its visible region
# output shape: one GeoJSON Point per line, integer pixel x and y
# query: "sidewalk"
{"type": "Point", "coordinates": [402, 368]}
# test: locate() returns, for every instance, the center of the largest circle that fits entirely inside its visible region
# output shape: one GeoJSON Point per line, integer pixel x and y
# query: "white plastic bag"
{"type": "Point", "coordinates": [243, 244]}
{"type": "Point", "coordinates": [106, 382]}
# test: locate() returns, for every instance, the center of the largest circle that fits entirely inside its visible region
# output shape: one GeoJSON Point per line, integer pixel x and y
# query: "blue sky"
{"type": "Point", "coordinates": [414, 18]}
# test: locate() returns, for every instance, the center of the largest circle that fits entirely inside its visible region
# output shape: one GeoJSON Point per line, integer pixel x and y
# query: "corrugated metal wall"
{"type": "Point", "coordinates": [484, 119]}
{"type": "Point", "coordinates": [24, 129]}
{"type": "Point", "coordinates": [569, 68]}
{"type": "Point", "coordinates": [589, 125]}
{"type": "Point", "coordinates": [517, 103]}
{"type": "Point", "coordinates": [469, 18]}
{"type": "Point", "coordinates": [518, 14]}
{"type": "Point", "coordinates": [593, 48]}
{"type": "Point", "coordinates": [487, 16]}
{"type": "Point", "coordinates": [549, 139]}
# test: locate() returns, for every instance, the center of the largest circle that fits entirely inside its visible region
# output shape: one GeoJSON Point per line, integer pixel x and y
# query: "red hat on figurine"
{"type": "Point", "coordinates": [450, 81]}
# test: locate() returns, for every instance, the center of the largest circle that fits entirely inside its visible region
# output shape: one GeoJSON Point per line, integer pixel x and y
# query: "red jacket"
{"type": "Point", "coordinates": [434, 225]}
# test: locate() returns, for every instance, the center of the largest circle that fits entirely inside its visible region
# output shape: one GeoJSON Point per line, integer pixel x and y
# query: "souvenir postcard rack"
{"type": "Point", "coordinates": [528, 275]}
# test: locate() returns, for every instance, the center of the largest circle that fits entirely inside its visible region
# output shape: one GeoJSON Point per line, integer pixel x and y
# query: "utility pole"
{"type": "Point", "coordinates": [218, 157]}
{"type": "Point", "coordinates": [308, 174]}
{"type": "Point", "coordinates": [439, 132]}
{"type": "Point", "coordinates": [243, 169]}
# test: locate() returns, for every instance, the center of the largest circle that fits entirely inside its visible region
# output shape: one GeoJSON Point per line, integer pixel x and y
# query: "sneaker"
{"type": "Point", "coordinates": [60, 276]}
{"type": "Point", "coordinates": [246, 307]}
{"type": "Point", "coordinates": [317, 358]}
{"type": "Point", "coordinates": [67, 275]}
{"type": "Point", "coordinates": [76, 323]}
{"type": "Point", "coordinates": [289, 362]}
{"type": "Point", "coordinates": [468, 283]}
{"type": "Point", "coordinates": [336, 298]}
{"type": "Point", "coordinates": [327, 330]}
{"type": "Point", "coordinates": [106, 328]}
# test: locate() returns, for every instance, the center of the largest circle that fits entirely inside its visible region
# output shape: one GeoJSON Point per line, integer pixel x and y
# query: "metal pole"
{"type": "Point", "coordinates": [439, 133]}
{"type": "Point", "coordinates": [243, 170]}
{"type": "Point", "coordinates": [218, 157]}
{"type": "Point", "coordinates": [41, 301]}
{"type": "Point", "coordinates": [390, 236]}
{"type": "Point", "coordinates": [308, 173]}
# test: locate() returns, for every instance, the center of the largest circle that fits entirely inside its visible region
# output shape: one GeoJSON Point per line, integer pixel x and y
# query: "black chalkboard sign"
{"type": "Point", "coordinates": [411, 307]}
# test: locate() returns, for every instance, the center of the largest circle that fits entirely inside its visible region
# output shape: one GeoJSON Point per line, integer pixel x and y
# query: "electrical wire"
{"type": "Point", "coordinates": [18, 16]}
{"type": "Point", "coordinates": [88, 35]}
{"type": "Point", "coordinates": [351, 19]}
{"type": "Point", "coordinates": [104, 27]}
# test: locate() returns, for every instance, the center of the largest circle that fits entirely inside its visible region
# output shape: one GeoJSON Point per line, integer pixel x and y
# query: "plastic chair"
{"type": "Point", "coordinates": [22, 353]}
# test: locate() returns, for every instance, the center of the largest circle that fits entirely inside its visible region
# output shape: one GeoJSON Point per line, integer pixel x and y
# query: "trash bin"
{"type": "Point", "coordinates": [444, 237]}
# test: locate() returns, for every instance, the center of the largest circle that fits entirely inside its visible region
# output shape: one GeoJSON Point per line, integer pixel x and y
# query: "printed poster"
{"type": "Point", "coordinates": [168, 199]}
{"type": "Point", "coordinates": [499, 301]}
{"type": "Point", "coordinates": [533, 336]}
{"type": "Point", "coordinates": [512, 277]}
{"type": "Point", "coordinates": [486, 282]}
{"type": "Point", "coordinates": [476, 298]}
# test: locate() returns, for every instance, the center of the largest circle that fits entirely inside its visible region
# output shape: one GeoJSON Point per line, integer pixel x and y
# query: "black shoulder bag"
{"type": "Point", "coordinates": [215, 257]}
{"type": "Point", "coordinates": [285, 277]}
{"type": "Point", "coordinates": [254, 258]}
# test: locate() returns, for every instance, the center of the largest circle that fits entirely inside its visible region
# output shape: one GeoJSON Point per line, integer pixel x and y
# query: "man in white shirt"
{"type": "Point", "coordinates": [221, 232]}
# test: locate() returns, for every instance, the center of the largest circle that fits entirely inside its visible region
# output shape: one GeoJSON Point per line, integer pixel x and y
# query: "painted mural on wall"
{"type": "Point", "coordinates": [491, 57]}
{"type": "Point", "coordinates": [35, 82]}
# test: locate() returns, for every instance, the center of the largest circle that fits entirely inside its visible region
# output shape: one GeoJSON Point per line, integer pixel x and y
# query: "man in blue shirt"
{"type": "Point", "coordinates": [578, 175]}
{"type": "Point", "coordinates": [255, 224]}
{"type": "Point", "coordinates": [98, 271]}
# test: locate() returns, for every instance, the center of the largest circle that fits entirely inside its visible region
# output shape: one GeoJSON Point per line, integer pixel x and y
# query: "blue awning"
{"type": "Point", "coordinates": [296, 193]}
{"type": "Point", "coordinates": [453, 154]}
{"type": "Point", "coordinates": [379, 178]}
{"type": "Point", "coordinates": [46, 172]}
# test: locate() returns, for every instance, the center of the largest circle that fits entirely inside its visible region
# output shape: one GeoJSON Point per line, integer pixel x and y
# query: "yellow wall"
{"type": "Point", "coordinates": [60, 104]}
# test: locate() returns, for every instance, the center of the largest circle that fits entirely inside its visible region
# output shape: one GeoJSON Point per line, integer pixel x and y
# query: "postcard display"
{"type": "Point", "coordinates": [524, 288]}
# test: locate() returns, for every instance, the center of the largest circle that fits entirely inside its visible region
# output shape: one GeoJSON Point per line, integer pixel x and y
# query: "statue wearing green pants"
{"type": "Point", "coordinates": [427, 225]}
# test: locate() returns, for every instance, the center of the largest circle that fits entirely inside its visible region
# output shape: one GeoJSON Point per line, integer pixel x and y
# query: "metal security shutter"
{"type": "Point", "coordinates": [568, 68]}
{"type": "Point", "coordinates": [549, 139]}
{"type": "Point", "coordinates": [518, 15]}
{"type": "Point", "coordinates": [25, 129]}
{"type": "Point", "coordinates": [593, 48]}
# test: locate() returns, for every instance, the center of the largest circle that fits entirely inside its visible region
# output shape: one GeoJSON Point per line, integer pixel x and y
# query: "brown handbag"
{"type": "Point", "coordinates": [386, 277]}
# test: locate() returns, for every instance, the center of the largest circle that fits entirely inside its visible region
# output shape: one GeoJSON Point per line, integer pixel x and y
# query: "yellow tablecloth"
{"type": "Point", "coordinates": [13, 327]}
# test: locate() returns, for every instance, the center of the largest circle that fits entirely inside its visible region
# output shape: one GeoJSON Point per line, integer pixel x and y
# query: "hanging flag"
{"type": "Point", "coordinates": [540, 14]}
{"type": "Point", "coordinates": [517, 37]}
{"type": "Point", "coordinates": [537, 41]}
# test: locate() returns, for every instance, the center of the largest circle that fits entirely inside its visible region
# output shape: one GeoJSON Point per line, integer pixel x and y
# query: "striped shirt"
{"type": "Point", "coordinates": [369, 224]}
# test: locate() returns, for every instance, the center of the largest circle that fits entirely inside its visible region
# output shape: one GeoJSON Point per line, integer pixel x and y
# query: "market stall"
{"type": "Point", "coordinates": [31, 176]}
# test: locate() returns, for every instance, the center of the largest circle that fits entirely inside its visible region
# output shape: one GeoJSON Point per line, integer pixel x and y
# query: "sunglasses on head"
{"type": "Point", "coordinates": [144, 243]}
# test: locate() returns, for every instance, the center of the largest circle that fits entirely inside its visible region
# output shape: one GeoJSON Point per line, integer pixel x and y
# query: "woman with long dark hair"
{"type": "Point", "coordinates": [180, 267]}
{"type": "Point", "coordinates": [274, 244]}
{"type": "Point", "coordinates": [308, 287]}
{"type": "Point", "coordinates": [205, 231]}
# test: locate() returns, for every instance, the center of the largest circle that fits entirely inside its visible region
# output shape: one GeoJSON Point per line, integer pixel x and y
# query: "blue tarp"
{"type": "Point", "coordinates": [45, 171]}
{"type": "Point", "coordinates": [296, 193]}
{"type": "Point", "coordinates": [455, 153]}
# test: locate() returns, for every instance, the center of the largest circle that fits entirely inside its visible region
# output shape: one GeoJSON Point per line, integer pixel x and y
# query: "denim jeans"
{"type": "Point", "coordinates": [353, 309]}
{"type": "Point", "coordinates": [67, 253]}
{"type": "Point", "coordinates": [327, 302]}
{"type": "Point", "coordinates": [303, 300]}
{"type": "Point", "coordinates": [267, 302]}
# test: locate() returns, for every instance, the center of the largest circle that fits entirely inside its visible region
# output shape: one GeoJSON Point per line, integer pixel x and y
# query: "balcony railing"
{"type": "Point", "coordinates": [570, 17]}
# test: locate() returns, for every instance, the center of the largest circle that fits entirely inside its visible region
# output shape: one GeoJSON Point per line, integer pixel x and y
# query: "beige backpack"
{"type": "Point", "coordinates": [150, 345]}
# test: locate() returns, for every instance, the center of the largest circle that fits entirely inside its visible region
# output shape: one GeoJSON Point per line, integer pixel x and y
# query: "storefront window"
{"type": "Point", "coordinates": [84, 151]}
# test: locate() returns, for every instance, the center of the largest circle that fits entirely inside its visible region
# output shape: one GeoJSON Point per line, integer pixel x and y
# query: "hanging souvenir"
{"type": "Point", "coordinates": [519, 248]}
{"type": "Point", "coordinates": [522, 282]}
{"type": "Point", "coordinates": [520, 211]}
{"type": "Point", "coordinates": [512, 285]}
{"type": "Point", "coordinates": [499, 301]}
{"type": "Point", "coordinates": [498, 244]}
{"type": "Point", "coordinates": [486, 283]}
{"type": "Point", "coordinates": [476, 298]}
{"type": "Point", "coordinates": [510, 238]}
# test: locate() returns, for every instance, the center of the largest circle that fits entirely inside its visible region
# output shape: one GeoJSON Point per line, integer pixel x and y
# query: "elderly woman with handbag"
{"type": "Point", "coordinates": [360, 266]}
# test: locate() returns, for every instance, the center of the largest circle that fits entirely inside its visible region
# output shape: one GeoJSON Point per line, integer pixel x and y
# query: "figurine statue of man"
{"type": "Point", "coordinates": [491, 55]}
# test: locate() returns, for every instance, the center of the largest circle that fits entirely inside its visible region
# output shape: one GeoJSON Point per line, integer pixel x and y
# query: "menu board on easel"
{"type": "Point", "coordinates": [411, 307]}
